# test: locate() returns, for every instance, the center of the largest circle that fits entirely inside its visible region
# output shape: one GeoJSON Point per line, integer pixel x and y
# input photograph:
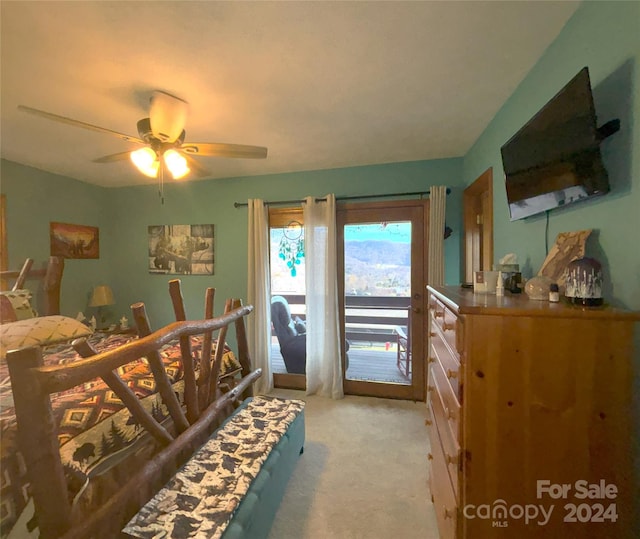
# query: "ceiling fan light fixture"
{"type": "Point", "coordinates": [176, 164]}
{"type": "Point", "coordinates": [167, 116]}
{"type": "Point", "coordinates": [146, 161]}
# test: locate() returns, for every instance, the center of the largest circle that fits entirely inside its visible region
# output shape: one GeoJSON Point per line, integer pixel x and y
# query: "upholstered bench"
{"type": "Point", "coordinates": [232, 486]}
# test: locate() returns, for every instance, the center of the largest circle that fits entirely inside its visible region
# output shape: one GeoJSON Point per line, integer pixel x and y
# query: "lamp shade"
{"type": "Point", "coordinates": [102, 295]}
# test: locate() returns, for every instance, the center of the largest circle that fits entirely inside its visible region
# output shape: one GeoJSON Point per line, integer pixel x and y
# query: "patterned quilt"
{"type": "Point", "coordinates": [200, 500]}
{"type": "Point", "coordinates": [99, 440]}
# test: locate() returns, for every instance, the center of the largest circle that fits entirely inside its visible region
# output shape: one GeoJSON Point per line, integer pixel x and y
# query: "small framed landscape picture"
{"type": "Point", "coordinates": [181, 249]}
{"type": "Point", "coordinates": [74, 241]}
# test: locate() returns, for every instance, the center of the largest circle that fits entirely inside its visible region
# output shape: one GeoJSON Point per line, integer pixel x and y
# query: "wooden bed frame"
{"type": "Point", "coordinates": [51, 277]}
{"type": "Point", "coordinates": [206, 406]}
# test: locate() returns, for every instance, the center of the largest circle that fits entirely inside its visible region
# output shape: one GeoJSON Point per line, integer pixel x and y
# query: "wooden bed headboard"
{"type": "Point", "coordinates": [50, 276]}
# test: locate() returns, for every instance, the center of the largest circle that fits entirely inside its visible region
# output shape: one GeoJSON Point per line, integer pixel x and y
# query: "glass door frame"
{"type": "Point", "coordinates": [415, 211]}
{"type": "Point", "coordinates": [280, 217]}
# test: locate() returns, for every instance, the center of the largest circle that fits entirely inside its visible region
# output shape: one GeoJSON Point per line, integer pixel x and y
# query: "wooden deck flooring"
{"type": "Point", "coordinates": [367, 361]}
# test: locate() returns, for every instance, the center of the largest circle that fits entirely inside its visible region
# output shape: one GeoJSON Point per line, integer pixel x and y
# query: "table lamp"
{"type": "Point", "coordinates": [101, 297]}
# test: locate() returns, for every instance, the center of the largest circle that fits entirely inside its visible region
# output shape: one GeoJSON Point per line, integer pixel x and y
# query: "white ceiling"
{"type": "Point", "coordinates": [321, 84]}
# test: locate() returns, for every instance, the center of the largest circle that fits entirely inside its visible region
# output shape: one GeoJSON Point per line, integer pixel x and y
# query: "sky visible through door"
{"type": "Point", "coordinates": [377, 260]}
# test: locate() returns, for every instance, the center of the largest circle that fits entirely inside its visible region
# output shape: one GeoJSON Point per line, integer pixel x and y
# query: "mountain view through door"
{"type": "Point", "coordinates": [377, 288]}
{"type": "Point", "coordinates": [381, 258]}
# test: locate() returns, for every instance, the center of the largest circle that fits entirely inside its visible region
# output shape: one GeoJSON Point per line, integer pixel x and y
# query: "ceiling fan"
{"type": "Point", "coordinates": [162, 135]}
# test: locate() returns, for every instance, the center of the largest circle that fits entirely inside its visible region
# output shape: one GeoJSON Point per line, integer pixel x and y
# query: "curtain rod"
{"type": "Point", "coordinates": [298, 201]}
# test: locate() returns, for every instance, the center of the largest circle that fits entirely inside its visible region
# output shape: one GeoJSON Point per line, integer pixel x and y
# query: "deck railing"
{"type": "Point", "coordinates": [368, 318]}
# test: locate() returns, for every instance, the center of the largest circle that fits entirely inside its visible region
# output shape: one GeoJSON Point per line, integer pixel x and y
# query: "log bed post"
{"type": "Point", "coordinates": [190, 393]}
{"type": "Point", "coordinates": [243, 348]}
{"type": "Point", "coordinates": [38, 438]}
{"type": "Point", "coordinates": [205, 365]}
{"type": "Point", "coordinates": [214, 378]}
{"type": "Point", "coordinates": [51, 284]}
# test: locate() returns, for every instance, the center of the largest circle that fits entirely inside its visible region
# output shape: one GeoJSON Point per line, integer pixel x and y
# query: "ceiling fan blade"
{"type": "Point", "coordinates": [77, 123]}
{"type": "Point", "coordinates": [120, 156]}
{"type": "Point", "coordinates": [219, 149]}
{"type": "Point", "coordinates": [195, 166]}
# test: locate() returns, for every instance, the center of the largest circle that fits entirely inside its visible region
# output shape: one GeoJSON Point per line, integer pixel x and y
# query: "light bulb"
{"type": "Point", "coordinates": [146, 160]}
{"type": "Point", "coordinates": [176, 164]}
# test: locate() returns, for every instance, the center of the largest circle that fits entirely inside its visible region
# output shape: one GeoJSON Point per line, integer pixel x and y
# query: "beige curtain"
{"type": "Point", "coordinates": [324, 361]}
{"type": "Point", "coordinates": [259, 294]}
{"type": "Point", "coordinates": [437, 207]}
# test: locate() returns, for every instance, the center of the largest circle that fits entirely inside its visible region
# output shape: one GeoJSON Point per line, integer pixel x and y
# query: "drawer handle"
{"type": "Point", "coordinates": [448, 327]}
{"type": "Point", "coordinates": [439, 314]}
{"type": "Point", "coordinates": [451, 459]}
{"type": "Point", "coordinates": [452, 374]}
{"type": "Point", "coordinates": [430, 388]}
{"type": "Point", "coordinates": [447, 513]}
{"type": "Point", "coordinates": [432, 334]}
{"type": "Point", "coordinates": [429, 456]}
{"type": "Point", "coordinates": [428, 422]}
{"type": "Point", "coordinates": [449, 413]}
{"type": "Point", "coordinates": [431, 359]}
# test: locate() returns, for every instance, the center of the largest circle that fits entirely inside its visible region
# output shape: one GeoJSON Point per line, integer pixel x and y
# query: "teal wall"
{"type": "Point", "coordinates": [123, 215]}
{"type": "Point", "coordinates": [605, 36]}
{"type": "Point", "coordinates": [134, 208]}
{"type": "Point", "coordinates": [35, 198]}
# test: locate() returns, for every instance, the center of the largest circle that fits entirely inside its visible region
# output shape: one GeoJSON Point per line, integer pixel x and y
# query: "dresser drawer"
{"type": "Point", "coordinates": [446, 422]}
{"type": "Point", "coordinates": [444, 500]}
{"type": "Point", "coordinates": [450, 405]}
{"type": "Point", "coordinates": [440, 353]}
{"type": "Point", "coordinates": [449, 325]}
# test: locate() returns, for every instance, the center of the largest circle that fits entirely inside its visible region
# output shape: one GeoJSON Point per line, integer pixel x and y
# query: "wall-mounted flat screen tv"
{"type": "Point", "coordinates": [555, 159]}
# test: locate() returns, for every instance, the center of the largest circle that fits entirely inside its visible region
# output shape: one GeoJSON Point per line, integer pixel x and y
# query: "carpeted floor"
{"type": "Point", "coordinates": [363, 474]}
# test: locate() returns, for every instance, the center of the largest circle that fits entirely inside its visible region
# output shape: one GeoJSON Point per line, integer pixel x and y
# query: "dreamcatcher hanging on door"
{"type": "Point", "coordinates": [291, 248]}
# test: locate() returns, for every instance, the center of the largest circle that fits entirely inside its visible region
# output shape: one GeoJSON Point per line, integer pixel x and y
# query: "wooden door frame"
{"type": "Point", "coordinates": [477, 247]}
{"type": "Point", "coordinates": [281, 217]}
{"type": "Point", "coordinates": [417, 390]}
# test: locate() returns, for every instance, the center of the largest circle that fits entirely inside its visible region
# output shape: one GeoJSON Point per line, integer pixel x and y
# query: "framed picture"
{"type": "Point", "coordinates": [181, 249]}
{"type": "Point", "coordinates": [74, 241]}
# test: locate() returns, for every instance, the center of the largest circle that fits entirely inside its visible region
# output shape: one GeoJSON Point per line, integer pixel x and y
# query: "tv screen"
{"type": "Point", "coordinates": [555, 159]}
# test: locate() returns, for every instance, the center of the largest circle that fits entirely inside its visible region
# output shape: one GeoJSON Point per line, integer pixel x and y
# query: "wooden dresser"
{"type": "Point", "coordinates": [528, 412]}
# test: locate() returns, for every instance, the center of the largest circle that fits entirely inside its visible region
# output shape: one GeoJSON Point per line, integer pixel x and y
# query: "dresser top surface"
{"type": "Point", "coordinates": [465, 301]}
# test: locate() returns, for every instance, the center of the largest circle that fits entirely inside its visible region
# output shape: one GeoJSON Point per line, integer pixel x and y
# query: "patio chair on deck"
{"type": "Point", "coordinates": [404, 346]}
{"type": "Point", "coordinates": [292, 336]}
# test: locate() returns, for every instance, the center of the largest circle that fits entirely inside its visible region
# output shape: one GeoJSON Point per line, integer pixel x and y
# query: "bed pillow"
{"type": "Point", "coordinates": [21, 302]}
{"type": "Point", "coordinates": [40, 331]}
